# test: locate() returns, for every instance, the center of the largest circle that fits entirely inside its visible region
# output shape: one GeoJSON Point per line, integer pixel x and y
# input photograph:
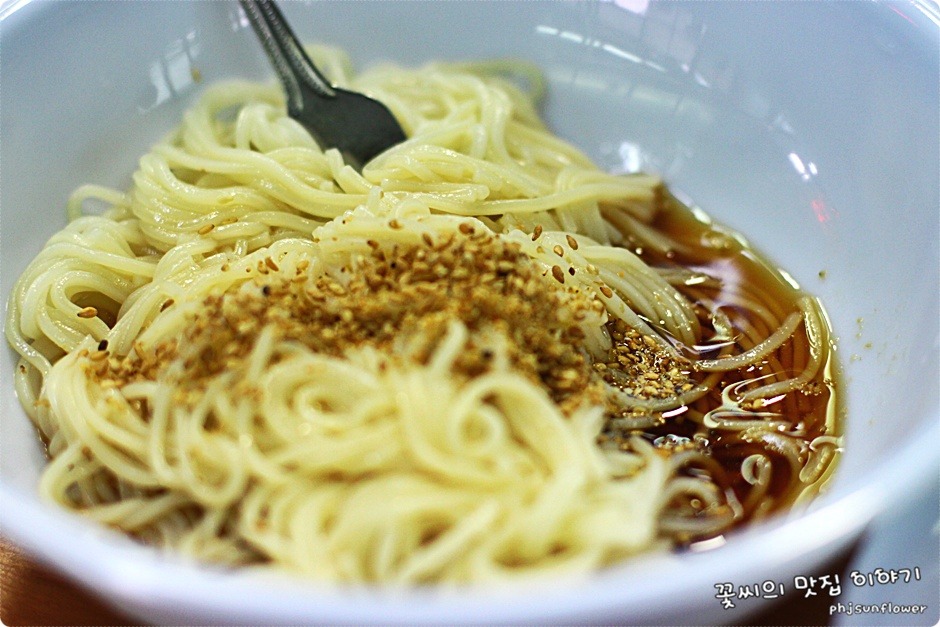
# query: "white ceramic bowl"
{"type": "Point", "coordinates": [811, 127]}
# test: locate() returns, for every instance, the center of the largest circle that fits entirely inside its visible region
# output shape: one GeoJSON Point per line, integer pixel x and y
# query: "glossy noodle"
{"type": "Point", "coordinates": [480, 359]}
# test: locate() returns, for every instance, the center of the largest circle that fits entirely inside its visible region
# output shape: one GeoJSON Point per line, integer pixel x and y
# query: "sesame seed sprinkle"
{"type": "Point", "coordinates": [404, 295]}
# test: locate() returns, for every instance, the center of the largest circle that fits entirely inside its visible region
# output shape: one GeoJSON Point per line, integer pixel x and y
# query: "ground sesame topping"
{"type": "Point", "coordinates": [637, 365]}
{"type": "Point", "coordinates": [406, 296]}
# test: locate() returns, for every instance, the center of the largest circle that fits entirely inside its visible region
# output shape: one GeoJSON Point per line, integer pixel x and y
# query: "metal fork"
{"type": "Point", "coordinates": [359, 126]}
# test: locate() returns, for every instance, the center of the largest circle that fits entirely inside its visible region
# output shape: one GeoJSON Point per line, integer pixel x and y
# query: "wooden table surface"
{"type": "Point", "coordinates": [31, 594]}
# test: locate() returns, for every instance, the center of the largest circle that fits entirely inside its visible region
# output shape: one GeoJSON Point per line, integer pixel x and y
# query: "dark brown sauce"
{"type": "Point", "coordinates": [722, 254]}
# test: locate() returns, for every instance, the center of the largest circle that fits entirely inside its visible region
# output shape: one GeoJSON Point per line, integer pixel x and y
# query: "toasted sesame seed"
{"type": "Point", "coordinates": [394, 295]}
{"type": "Point", "coordinates": [558, 250]}
{"type": "Point", "coordinates": [271, 264]}
{"type": "Point", "coordinates": [606, 291]}
{"type": "Point", "coordinates": [206, 229]}
{"type": "Point", "coordinates": [98, 355]}
{"type": "Point", "coordinates": [572, 242]}
{"type": "Point", "coordinates": [395, 224]}
{"type": "Point", "coordinates": [536, 232]}
{"type": "Point", "coordinates": [87, 312]}
{"type": "Point", "coordinates": [466, 228]}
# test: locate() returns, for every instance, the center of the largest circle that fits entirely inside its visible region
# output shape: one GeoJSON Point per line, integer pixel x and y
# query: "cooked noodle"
{"type": "Point", "coordinates": [456, 366]}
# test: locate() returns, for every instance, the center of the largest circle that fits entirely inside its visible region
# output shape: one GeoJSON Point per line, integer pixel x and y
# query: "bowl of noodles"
{"type": "Point", "coordinates": [646, 302]}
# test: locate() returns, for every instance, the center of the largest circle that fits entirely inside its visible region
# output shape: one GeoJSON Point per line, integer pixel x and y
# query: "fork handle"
{"type": "Point", "coordinates": [287, 55]}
